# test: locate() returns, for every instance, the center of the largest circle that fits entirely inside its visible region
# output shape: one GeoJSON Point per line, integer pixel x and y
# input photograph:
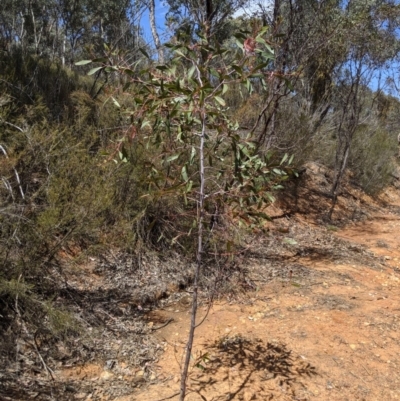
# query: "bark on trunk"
{"type": "Point", "coordinates": [156, 37]}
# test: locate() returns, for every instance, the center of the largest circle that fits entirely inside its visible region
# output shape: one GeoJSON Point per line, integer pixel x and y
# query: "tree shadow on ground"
{"type": "Point", "coordinates": [262, 370]}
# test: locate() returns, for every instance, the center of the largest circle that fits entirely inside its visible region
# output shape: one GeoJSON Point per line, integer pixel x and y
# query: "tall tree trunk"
{"type": "Point", "coordinates": [156, 38]}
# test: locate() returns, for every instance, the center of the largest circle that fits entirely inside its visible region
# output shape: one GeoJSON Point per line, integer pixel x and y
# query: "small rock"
{"type": "Point", "coordinates": [109, 364]}
{"type": "Point", "coordinates": [248, 396]}
{"type": "Point", "coordinates": [106, 375]}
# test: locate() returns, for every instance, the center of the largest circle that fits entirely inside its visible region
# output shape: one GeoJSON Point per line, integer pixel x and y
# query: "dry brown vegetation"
{"type": "Point", "coordinates": [286, 324]}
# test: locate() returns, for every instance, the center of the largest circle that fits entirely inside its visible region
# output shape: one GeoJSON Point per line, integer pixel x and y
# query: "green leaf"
{"type": "Point", "coordinates": [172, 158]}
{"type": "Point", "coordinates": [115, 102]}
{"type": "Point", "coordinates": [179, 53]}
{"type": "Point", "coordinates": [237, 69]}
{"type": "Point", "coordinates": [290, 241]}
{"type": "Point", "coordinates": [239, 43]}
{"type": "Point", "coordinates": [261, 66]}
{"type": "Point", "coordinates": [270, 49]}
{"type": "Point", "coordinates": [220, 100]}
{"type": "Point", "coordinates": [184, 173]}
{"type": "Point", "coordinates": [192, 154]}
{"type": "Point", "coordinates": [83, 62]}
{"type": "Point", "coordinates": [130, 72]}
{"type": "Point", "coordinates": [242, 35]}
{"type": "Point", "coordinates": [269, 197]}
{"type": "Point", "coordinates": [99, 60]}
{"type": "Point", "coordinates": [260, 40]}
{"type": "Point", "coordinates": [144, 52]}
{"type": "Point", "coordinates": [191, 71]}
{"type": "Point", "coordinates": [94, 70]}
{"type": "Point", "coordinates": [189, 186]}
{"type": "Point", "coordinates": [200, 366]}
{"type": "Point", "coordinates": [248, 84]}
{"type": "Point", "coordinates": [214, 72]}
{"type": "Point", "coordinates": [263, 30]}
{"type": "Point", "coordinates": [145, 123]}
{"type": "Point", "coordinates": [110, 69]}
{"type": "Point", "coordinates": [122, 157]}
{"type": "Point", "coordinates": [288, 84]}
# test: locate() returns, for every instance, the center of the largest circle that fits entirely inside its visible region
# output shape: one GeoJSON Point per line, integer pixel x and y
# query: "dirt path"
{"type": "Point", "coordinates": [321, 323]}
{"type": "Point", "coordinates": [330, 335]}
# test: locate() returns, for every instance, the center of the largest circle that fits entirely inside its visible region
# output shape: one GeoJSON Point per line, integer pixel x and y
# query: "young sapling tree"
{"type": "Point", "coordinates": [179, 107]}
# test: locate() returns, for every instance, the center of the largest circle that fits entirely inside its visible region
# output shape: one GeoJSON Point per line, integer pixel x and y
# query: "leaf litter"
{"type": "Point", "coordinates": [312, 314]}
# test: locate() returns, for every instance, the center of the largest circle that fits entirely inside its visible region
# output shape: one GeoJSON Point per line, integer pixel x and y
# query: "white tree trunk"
{"type": "Point", "coordinates": [156, 37]}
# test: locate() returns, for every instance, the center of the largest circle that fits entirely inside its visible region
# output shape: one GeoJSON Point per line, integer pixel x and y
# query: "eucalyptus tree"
{"type": "Point", "coordinates": [26, 23]}
{"type": "Point", "coordinates": [179, 108]}
{"type": "Point", "coordinates": [331, 53]}
{"type": "Point", "coordinates": [309, 49]}
{"type": "Point", "coordinates": [210, 17]}
{"type": "Point", "coordinates": [372, 45]}
{"type": "Point", "coordinates": [62, 29]}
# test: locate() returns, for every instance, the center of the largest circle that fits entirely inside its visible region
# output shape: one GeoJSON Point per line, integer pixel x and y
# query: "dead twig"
{"type": "Point", "coordinates": [366, 369]}
{"type": "Point", "coordinates": [163, 325]}
{"type": "Point", "coordinates": [359, 378]}
{"type": "Point", "coordinates": [168, 398]}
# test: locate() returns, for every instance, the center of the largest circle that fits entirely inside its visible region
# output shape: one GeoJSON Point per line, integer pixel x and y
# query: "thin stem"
{"type": "Point", "coordinates": [200, 212]}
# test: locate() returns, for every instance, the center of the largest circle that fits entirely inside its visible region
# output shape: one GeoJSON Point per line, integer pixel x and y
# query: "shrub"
{"type": "Point", "coordinates": [372, 158]}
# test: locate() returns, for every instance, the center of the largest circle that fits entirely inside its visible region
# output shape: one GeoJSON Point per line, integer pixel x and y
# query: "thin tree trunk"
{"type": "Point", "coordinates": [156, 38]}
{"type": "Point", "coordinates": [347, 127]}
{"type": "Point", "coordinates": [22, 31]}
{"type": "Point", "coordinates": [36, 40]}
{"type": "Point", "coordinates": [63, 51]}
{"type": "Point", "coordinates": [338, 179]}
{"type": "Point", "coordinates": [200, 212]}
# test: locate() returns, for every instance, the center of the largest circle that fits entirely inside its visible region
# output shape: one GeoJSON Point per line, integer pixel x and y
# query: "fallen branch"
{"type": "Point", "coordinates": [163, 325]}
